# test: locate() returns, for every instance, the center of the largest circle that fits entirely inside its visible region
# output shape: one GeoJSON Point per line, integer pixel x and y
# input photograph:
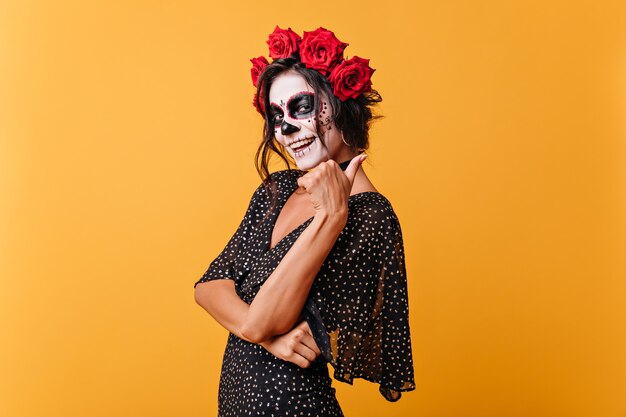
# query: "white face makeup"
{"type": "Point", "coordinates": [292, 111]}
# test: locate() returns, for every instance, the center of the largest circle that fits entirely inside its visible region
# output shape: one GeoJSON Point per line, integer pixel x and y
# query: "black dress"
{"type": "Point", "coordinates": [357, 310]}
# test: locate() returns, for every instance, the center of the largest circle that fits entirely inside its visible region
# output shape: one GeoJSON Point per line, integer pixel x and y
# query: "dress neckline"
{"type": "Point", "coordinates": [283, 201]}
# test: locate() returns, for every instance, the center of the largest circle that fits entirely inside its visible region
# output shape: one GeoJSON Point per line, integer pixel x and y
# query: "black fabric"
{"type": "Point", "coordinates": [357, 308]}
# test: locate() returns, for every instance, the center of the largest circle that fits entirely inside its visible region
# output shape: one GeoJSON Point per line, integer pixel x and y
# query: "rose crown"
{"type": "Point", "coordinates": [322, 51]}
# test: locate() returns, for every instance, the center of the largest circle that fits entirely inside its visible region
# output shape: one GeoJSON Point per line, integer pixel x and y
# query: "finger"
{"type": "Point", "coordinates": [305, 351]}
{"type": "Point", "coordinates": [304, 325]}
{"type": "Point", "coordinates": [309, 341]}
{"type": "Point", "coordinates": [304, 182]}
{"type": "Point", "coordinates": [304, 341]}
{"type": "Point", "coordinates": [304, 336]}
{"type": "Point", "coordinates": [299, 360]}
{"type": "Point", "coordinates": [354, 166]}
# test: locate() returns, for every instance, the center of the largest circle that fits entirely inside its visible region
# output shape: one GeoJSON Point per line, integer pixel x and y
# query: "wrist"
{"type": "Point", "coordinates": [335, 220]}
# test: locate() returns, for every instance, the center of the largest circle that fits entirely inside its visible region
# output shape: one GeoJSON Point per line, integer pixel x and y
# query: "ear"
{"type": "Point", "coordinates": [344, 140]}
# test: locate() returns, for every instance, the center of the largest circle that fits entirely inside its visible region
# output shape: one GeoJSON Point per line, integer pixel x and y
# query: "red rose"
{"type": "Point", "coordinates": [258, 106]}
{"type": "Point", "coordinates": [351, 78]}
{"type": "Point", "coordinates": [321, 50]}
{"type": "Point", "coordinates": [283, 43]}
{"type": "Point", "coordinates": [258, 64]}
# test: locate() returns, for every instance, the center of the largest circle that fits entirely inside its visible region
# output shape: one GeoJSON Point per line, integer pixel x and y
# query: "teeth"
{"type": "Point", "coordinates": [301, 148]}
{"type": "Point", "coordinates": [300, 143]}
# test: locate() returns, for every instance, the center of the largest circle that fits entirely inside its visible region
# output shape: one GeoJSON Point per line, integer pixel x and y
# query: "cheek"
{"type": "Point", "coordinates": [323, 105]}
{"type": "Point", "coordinates": [280, 138]}
{"type": "Point", "coordinates": [310, 125]}
{"type": "Point", "coordinates": [324, 118]}
{"type": "Point", "coordinates": [325, 122]}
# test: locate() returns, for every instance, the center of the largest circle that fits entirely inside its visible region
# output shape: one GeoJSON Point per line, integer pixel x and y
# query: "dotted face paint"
{"type": "Point", "coordinates": [324, 119]}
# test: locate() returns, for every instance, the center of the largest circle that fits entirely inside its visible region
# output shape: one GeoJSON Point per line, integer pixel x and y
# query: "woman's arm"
{"type": "Point", "coordinates": [278, 304]}
{"type": "Point", "coordinates": [220, 299]}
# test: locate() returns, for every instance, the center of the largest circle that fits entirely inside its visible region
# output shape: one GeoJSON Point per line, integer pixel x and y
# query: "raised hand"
{"type": "Point", "coordinates": [329, 187]}
{"type": "Point", "coordinates": [296, 346]}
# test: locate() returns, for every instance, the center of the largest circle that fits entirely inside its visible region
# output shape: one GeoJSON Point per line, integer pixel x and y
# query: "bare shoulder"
{"type": "Point", "coordinates": [362, 184]}
{"type": "Point", "coordinates": [367, 188]}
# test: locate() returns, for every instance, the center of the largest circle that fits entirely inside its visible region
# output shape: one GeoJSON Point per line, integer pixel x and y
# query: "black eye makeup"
{"type": "Point", "coordinates": [299, 106]}
{"type": "Point", "coordinates": [276, 114]}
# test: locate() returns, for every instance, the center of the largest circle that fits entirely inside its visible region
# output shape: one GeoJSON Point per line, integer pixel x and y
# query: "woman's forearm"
{"type": "Point", "coordinates": [220, 299]}
{"type": "Point", "coordinates": [278, 304]}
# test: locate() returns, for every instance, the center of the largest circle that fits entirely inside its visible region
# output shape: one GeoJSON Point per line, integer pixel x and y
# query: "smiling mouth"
{"type": "Point", "coordinates": [302, 146]}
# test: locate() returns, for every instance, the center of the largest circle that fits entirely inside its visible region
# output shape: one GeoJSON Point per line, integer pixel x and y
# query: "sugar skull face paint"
{"type": "Point", "coordinates": [292, 113]}
{"type": "Point", "coordinates": [300, 106]}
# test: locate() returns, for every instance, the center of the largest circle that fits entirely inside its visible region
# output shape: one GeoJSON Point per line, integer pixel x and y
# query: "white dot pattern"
{"type": "Point", "coordinates": [357, 310]}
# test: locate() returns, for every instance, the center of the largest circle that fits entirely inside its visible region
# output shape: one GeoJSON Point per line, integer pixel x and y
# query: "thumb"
{"type": "Point", "coordinates": [304, 325]}
{"type": "Point", "coordinates": [355, 163]}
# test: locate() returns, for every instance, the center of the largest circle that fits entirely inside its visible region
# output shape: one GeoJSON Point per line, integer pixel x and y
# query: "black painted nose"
{"type": "Point", "coordinates": [286, 128]}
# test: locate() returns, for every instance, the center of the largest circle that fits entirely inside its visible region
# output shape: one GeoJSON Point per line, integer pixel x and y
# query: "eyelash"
{"type": "Point", "coordinates": [274, 117]}
{"type": "Point", "coordinates": [306, 106]}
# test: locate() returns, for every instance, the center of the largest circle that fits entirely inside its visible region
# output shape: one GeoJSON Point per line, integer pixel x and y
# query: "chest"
{"type": "Point", "coordinates": [296, 210]}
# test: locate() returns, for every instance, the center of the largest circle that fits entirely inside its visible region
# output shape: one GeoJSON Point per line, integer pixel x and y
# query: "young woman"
{"type": "Point", "coordinates": [315, 272]}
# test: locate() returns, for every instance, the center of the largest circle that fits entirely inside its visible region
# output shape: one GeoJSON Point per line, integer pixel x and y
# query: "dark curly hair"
{"type": "Point", "coordinates": [352, 117]}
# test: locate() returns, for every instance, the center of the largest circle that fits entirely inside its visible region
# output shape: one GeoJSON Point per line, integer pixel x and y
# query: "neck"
{"type": "Point", "coordinates": [345, 164]}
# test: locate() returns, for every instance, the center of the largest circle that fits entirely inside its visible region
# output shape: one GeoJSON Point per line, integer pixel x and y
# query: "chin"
{"type": "Point", "coordinates": [311, 160]}
{"type": "Point", "coordinates": [304, 165]}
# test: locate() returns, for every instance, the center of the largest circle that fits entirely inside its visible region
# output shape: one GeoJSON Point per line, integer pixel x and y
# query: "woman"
{"type": "Point", "coordinates": [315, 272]}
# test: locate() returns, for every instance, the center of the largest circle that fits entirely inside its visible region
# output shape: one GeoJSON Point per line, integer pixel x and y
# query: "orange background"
{"type": "Point", "coordinates": [127, 138]}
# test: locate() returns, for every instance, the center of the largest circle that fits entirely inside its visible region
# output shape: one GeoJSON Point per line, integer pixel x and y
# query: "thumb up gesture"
{"type": "Point", "coordinates": [329, 187]}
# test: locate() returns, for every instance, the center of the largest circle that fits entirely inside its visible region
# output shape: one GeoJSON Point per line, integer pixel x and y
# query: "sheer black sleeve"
{"type": "Point", "coordinates": [231, 263]}
{"type": "Point", "coordinates": [358, 309]}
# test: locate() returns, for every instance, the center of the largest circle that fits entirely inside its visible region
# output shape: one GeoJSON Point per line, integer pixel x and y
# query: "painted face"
{"type": "Point", "coordinates": [292, 113]}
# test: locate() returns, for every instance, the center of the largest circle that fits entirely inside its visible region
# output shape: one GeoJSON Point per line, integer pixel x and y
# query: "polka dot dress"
{"type": "Point", "coordinates": [357, 310]}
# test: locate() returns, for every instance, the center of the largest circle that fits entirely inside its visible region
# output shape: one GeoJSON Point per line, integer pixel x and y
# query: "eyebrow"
{"type": "Point", "coordinates": [308, 93]}
{"type": "Point", "coordinates": [275, 107]}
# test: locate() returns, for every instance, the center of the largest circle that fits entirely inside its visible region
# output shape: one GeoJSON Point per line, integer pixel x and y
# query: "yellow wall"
{"type": "Point", "coordinates": [126, 145]}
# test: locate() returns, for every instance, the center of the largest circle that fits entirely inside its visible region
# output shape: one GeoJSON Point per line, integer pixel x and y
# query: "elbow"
{"type": "Point", "coordinates": [254, 333]}
{"type": "Point", "coordinates": [200, 294]}
{"type": "Point", "coordinates": [263, 331]}
{"type": "Point", "coordinates": [197, 296]}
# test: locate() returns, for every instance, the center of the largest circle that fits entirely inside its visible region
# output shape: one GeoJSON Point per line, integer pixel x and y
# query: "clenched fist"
{"type": "Point", "coordinates": [329, 187]}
